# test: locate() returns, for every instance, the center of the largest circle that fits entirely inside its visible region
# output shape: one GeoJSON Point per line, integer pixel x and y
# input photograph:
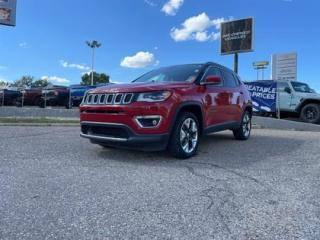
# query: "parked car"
{"type": "Point", "coordinates": [9, 97]}
{"type": "Point", "coordinates": [30, 97]}
{"type": "Point", "coordinates": [168, 108]}
{"type": "Point", "coordinates": [77, 93]}
{"type": "Point", "coordinates": [55, 96]}
{"type": "Point", "coordinates": [297, 98]}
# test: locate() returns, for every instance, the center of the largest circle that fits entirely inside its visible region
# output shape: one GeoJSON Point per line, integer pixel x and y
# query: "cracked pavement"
{"type": "Point", "coordinates": [55, 185]}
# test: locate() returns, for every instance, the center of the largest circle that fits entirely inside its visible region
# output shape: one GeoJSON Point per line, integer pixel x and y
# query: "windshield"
{"type": "Point", "coordinates": [181, 73]}
{"type": "Point", "coordinates": [302, 87]}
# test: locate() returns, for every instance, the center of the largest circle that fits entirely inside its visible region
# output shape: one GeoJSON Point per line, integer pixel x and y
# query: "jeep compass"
{"type": "Point", "coordinates": [168, 108]}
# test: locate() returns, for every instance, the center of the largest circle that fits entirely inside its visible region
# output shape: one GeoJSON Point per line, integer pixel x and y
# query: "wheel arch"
{"type": "Point", "coordinates": [249, 108]}
{"type": "Point", "coordinates": [305, 102]}
{"type": "Point", "coordinates": [193, 107]}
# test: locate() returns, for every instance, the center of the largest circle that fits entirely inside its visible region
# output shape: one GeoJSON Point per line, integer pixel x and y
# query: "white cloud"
{"type": "Point", "coordinates": [172, 6]}
{"type": "Point", "coordinates": [151, 3]}
{"type": "Point", "coordinates": [55, 79]}
{"type": "Point", "coordinates": [139, 60]}
{"type": "Point", "coordinates": [197, 28]}
{"type": "Point", "coordinates": [23, 44]}
{"type": "Point", "coordinates": [65, 64]}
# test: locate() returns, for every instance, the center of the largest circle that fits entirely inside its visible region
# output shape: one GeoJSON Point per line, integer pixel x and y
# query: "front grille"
{"type": "Point", "coordinates": [105, 131]}
{"type": "Point", "coordinates": [108, 99]}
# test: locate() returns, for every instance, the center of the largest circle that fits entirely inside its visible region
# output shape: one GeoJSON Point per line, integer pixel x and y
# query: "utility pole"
{"type": "Point", "coordinates": [93, 45]}
{"type": "Point", "coordinates": [236, 62]}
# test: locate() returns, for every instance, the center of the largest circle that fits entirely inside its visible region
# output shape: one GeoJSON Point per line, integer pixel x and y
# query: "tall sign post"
{"type": "Point", "coordinates": [237, 37]}
{"type": "Point", "coordinates": [8, 12]}
{"type": "Point", "coordinates": [262, 65]}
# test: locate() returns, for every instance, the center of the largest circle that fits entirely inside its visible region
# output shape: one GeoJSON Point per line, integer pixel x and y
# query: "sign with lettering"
{"type": "Point", "coordinates": [8, 12]}
{"type": "Point", "coordinates": [237, 36]}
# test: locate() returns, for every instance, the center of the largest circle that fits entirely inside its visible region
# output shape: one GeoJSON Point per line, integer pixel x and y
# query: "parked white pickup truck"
{"type": "Point", "coordinates": [299, 98]}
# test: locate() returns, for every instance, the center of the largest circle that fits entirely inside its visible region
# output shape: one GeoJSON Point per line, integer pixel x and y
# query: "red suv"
{"type": "Point", "coordinates": [168, 108]}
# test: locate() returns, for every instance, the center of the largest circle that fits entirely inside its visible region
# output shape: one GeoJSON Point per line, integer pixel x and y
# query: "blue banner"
{"type": "Point", "coordinates": [264, 95]}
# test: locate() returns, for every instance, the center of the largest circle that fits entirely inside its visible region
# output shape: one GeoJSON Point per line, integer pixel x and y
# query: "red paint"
{"type": "Point", "coordinates": [219, 104]}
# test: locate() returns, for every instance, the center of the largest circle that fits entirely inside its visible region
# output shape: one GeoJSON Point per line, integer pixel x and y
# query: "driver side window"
{"type": "Point", "coordinates": [213, 71]}
{"type": "Point", "coordinates": [282, 86]}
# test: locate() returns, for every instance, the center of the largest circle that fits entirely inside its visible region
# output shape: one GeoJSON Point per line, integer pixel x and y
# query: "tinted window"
{"type": "Point", "coordinates": [181, 73]}
{"type": "Point", "coordinates": [301, 87]}
{"type": "Point", "coordinates": [213, 71]}
{"type": "Point", "coordinates": [282, 86]}
{"type": "Point", "coordinates": [229, 79]}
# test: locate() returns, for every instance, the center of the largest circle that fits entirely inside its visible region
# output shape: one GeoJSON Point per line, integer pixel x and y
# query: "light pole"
{"type": "Point", "coordinates": [93, 45]}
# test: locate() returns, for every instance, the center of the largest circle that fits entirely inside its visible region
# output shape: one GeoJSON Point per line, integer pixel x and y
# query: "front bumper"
{"type": "Point", "coordinates": [120, 135]}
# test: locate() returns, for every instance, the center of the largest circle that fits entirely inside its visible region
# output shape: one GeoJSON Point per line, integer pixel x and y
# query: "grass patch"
{"type": "Point", "coordinates": [42, 120]}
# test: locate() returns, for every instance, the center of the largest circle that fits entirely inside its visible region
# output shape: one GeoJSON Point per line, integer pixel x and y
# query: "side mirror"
{"type": "Point", "coordinates": [212, 80]}
{"type": "Point", "coordinates": [287, 90]}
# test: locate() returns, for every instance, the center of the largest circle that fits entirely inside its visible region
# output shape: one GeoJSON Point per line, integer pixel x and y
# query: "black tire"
{"type": "Point", "coordinates": [244, 131]}
{"type": "Point", "coordinates": [190, 140]}
{"type": "Point", "coordinates": [41, 103]}
{"type": "Point", "coordinates": [310, 113]}
{"type": "Point", "coordinates": [36, 101]}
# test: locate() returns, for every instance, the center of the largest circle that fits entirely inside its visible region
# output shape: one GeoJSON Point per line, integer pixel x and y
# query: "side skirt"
{"type": "Point", "coordinates": [221, 127]}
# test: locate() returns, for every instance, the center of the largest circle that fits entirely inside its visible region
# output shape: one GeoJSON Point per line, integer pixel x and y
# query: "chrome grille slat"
{"type": "Point", "coordinates": [109, 98]}
{"type": "Point", "coordinates": [129, 96]}
{"type": "Point", "coordinates": [118, 96]}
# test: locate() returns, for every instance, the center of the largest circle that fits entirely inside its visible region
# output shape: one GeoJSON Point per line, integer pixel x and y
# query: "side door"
{"type": "Point", "coordinates": [285, 97]}
{"type": "Point", "coordinates": [216, 99]}
{"type": "Point", "coordinates": [233, 89]}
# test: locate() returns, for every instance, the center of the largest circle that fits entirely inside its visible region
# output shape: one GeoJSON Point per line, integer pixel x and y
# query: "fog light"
{"type": "Point", "coordinates": [148, 121]}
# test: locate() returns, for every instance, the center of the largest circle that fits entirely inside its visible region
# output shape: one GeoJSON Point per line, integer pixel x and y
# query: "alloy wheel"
{"type": "Point", "coordinates": [246, 125]}
{"type": "Point", "coordinates": [311, 113]}
{"type": "Point", "coordinates": [189, 135]}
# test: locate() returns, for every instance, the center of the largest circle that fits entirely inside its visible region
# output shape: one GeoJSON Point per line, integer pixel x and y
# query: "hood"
{"type": "Point", "coordinates": [310, 95]}
{"type": "Point", "coordinates": [141, 87]}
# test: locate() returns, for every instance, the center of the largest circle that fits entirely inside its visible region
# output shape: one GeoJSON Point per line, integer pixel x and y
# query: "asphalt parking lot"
{"type": "Point", "coordinates": [55, 185]}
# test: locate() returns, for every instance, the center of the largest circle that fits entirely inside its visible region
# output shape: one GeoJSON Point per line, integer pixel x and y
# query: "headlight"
{"type": "Point", "coordinates": [154, 96]}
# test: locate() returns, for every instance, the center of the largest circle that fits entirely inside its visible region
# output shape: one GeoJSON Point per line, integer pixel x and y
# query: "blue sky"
{"type": "Point", "coordinates": [139, 35]}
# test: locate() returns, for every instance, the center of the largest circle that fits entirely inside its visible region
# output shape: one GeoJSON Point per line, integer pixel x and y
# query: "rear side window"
{"type": "Point", "coordinates": [229, 79]}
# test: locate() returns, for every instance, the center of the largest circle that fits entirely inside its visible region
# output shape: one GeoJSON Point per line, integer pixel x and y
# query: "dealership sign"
{"type": "Point", "coordinates": [8, 12]}
{"type": "Point", "coordinates": [284, 66]}
{"type": "Point", "coordinates": [263, 95]}
{"type": "Point", "coordinates": [237, 36]}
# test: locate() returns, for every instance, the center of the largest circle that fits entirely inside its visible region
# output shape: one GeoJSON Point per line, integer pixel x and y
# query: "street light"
{"type": "Point", "coordinates": [93, 45]}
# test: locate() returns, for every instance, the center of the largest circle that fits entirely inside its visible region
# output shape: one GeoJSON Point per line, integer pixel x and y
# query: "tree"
{"type": "Point", "coordinates": [41, 83]}
{"type": "Point", "coordinates": [97, 78]}
{"type": "Point", "coordinates": [24, 81]}
{"type": "Point", "coordinates": [3, 84]}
